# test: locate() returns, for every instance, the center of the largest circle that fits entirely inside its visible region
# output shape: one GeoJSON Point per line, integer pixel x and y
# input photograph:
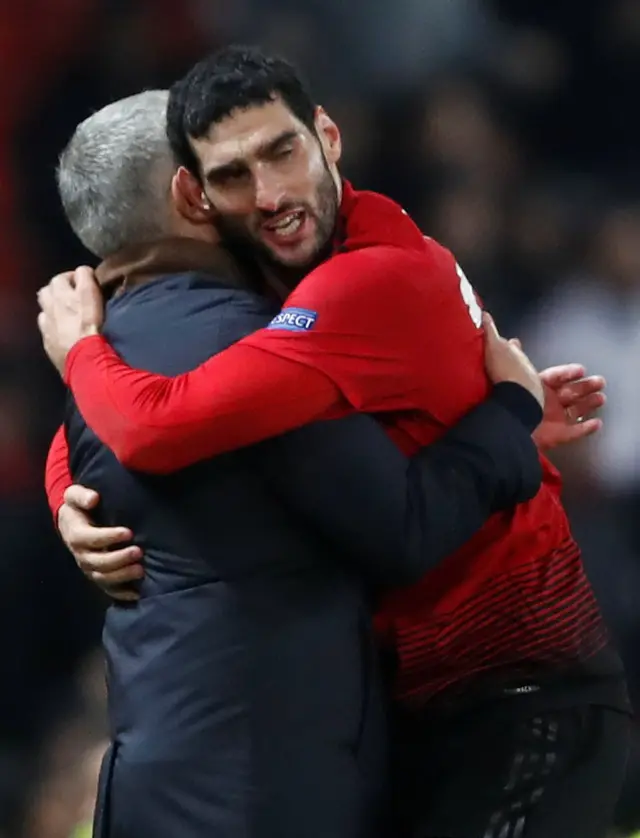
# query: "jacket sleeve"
{"type": "Point", "coordinates": [394, 517]}
{"type": "Point", "coordinates": [57, 475]}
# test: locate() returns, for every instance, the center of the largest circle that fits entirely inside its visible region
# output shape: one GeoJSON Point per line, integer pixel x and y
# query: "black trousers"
{"type": "Point", "coordinates": [495, 772]}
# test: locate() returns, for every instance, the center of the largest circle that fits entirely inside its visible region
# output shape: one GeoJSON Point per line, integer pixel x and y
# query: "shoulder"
{"type": "Point", "coordinates": [374, 219]}
{"type": "Point", "coordinates": [190, 315]}
{"type": "Point", "coordinates": [378, 263]}
{"type": "Point", "coordinates": [380, 272]}
{"type": "Point", "coordinates": [175, 297]}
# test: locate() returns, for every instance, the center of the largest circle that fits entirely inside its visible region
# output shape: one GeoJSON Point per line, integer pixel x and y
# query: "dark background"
{"type": "Point", "coordinates": [509, 128]}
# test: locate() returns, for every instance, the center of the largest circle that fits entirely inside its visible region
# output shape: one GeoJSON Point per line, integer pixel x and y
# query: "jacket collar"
{"type": "Point", "coordinates": [144, 262]}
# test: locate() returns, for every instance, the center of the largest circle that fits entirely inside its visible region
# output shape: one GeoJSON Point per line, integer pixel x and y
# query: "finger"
{"type": "Point", "coordinates": [590, 384]}
{"type": "Point", "coordinates": [516, 342]}
{"type": "Point", "coordinates": [89, 294]}
{"type": "Point", "coordinates": [122, 594]}
{"type": "Point", "coordinates": [80, 497]}
{"type": "Point", "coordinates": [111, 561]}
{"type": "Point", "coordinates": [555, 377]}
{"type": "Point", "coordinates": [63, 276]}
{"type": "Point", "coordinates": [62, 285]}
{"type": "Point", "coordinates": [125, 576]}
{"type": "Point", "coordinates": [89, 538]}
{"type": "Point", "coordinates": [570, 393]}
{"type": "Point", "coordinates": [44, 298]}
{"type": "Point", "coordinates": [586, 405]}
{"type": "Point", "coordinates": [582, 430]}
{"type": "Point", "coordinates": [490, 328]}
{"type": "Point", "coordinates": [589, 404]}
{"type": "Point", "coordinates": [84, 278]}
{"type": "Point", "coordinates": [108, 561]}
{"type": "Point", "coordinates": [45, 294]}
{"type": "Point", "coordinates": [572, 399]}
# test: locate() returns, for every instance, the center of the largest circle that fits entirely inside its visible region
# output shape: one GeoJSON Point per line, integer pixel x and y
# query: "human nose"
{"type": "Point", "coordinates": [270, 190]}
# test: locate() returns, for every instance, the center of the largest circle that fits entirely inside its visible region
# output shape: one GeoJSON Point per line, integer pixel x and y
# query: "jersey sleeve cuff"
{"type": "Point", "coordinates": [519, 402]}
{"type": "Point", "coordinates": [76, 350]}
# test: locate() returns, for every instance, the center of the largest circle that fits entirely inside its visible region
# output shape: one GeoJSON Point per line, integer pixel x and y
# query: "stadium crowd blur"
{"type": "Point", "coordinates": [508, 128]}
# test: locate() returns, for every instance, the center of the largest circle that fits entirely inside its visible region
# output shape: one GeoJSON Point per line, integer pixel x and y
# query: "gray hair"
{"type": "Point", "coordinates": [114, 176]}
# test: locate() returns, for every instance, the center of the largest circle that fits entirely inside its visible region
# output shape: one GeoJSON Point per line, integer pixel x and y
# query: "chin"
{"type": "Point", "coordinates": [297, 261]}
{"type": "Point", "coordinates": [306, 257]}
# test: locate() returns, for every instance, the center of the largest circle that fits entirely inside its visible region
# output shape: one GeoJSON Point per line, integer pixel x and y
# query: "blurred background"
{"type": "Point", "coordinates": [509, 128]}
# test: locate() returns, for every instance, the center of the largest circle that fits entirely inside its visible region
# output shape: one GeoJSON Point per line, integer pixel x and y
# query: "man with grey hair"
{"type": "Point", "coordinates": [243, 684]}
{"type": "Point", "coordinates": [114, 177]}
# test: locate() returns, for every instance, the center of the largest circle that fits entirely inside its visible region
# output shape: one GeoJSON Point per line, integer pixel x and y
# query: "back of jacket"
{"type": "Point", "coordinates": [243, 686]}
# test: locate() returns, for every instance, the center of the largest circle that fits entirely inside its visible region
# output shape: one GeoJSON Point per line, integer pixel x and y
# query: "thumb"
{"type": "Point", "coordinates": [90, 299]}
{"type": "Point", "coordinates": [81, 497]}
{"type": "Point", "coordinates": [489, 326]}
{"type": "Point", "coordinates": [84, 281]}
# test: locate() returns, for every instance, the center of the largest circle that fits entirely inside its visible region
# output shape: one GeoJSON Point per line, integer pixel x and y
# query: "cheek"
{"type": "Point", "coordinates": [315, 175]}
{"type": "Point", "coordinates": [316, 165]}
{"type": "Point", "coordinates": [239, 202]}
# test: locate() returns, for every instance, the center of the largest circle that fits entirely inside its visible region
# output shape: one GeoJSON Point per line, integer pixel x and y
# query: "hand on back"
{"type": "Point", "coordinates": [567, 395]}
{"type": "Point", "coordinates": [104, 554]}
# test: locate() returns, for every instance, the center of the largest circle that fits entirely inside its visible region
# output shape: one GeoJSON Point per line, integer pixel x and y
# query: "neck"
{"type": "Point", "coordinates": [146, 261]}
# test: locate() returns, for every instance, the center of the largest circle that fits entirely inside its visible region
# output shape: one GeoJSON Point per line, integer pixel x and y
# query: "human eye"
{"type": "Point", "coordinates": [284, 151]}
{"type": "Point", "coordinates": [228, 177]}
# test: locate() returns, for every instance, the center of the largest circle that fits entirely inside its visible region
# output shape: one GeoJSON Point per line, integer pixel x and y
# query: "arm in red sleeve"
{"type": "Point", "coordinates": [396, 330]}
{"type": "Point", "coordinates": [365, 329]}
{"type": "Point", "coordinates": [157, 424]}
{"type": "Point", "coordinates": [57, 476]}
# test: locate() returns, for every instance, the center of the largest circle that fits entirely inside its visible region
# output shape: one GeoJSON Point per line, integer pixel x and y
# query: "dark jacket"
{"type": "Point", "coordinates": [244, 689]}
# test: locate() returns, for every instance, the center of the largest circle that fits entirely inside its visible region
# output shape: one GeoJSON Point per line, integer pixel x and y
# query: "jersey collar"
{"type": "Point", "coordinates": [368, 219]}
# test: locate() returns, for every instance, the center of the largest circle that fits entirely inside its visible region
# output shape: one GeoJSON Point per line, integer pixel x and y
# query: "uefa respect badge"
{"type": "Point", "coordinates": [294, 320]}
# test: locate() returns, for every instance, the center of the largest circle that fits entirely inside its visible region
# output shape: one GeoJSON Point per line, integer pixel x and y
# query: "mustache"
{"type": "Point", "coordinates": [268, 215]}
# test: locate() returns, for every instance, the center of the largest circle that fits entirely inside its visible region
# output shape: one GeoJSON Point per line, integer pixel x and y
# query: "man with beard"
{"type": "Point", "coordinates": [501, 649]}
{"type": "Point", "coordinates": [244, 695]}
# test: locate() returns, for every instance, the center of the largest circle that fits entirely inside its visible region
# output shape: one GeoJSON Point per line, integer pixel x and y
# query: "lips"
{"type": "Point", "coordinates": [287, 228]}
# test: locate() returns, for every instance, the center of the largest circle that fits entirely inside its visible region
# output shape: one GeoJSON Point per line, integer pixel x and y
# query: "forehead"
{"type": "Point", "coordinates": [243, 133]}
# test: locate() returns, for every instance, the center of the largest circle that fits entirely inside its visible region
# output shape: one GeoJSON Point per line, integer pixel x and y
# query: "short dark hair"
{"type": "Point", "coordinates": [233, 78]}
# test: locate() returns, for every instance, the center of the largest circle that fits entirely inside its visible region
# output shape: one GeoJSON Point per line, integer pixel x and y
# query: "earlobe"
{"type": "Point", "coordinates": [189, 198]}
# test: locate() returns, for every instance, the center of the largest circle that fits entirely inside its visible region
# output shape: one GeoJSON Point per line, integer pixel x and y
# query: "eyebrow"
{"type": "Point", "coordinates": [238, 164]}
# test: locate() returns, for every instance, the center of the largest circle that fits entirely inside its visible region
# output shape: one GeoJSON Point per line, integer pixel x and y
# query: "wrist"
{"type": "Point", "coordinates": [518, 400]}
{"type": "Point", "coordinates": [75, 352]}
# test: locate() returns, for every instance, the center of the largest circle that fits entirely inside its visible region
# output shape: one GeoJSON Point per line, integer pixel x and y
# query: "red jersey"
{"type": "Point", "coordinates": [388, 326]}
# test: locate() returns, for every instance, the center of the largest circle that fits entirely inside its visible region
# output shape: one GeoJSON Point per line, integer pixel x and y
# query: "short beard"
{"type": "Point", "coordinates": [249, 251]}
